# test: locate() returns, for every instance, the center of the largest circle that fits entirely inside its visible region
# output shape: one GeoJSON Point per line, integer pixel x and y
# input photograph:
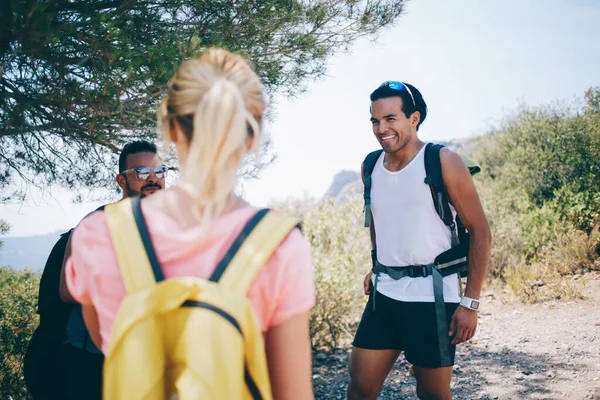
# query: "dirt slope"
{"type": "Point", "coordinates": [541, 351]}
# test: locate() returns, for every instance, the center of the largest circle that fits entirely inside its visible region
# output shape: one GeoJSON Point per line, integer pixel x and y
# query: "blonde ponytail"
{"type": "Point", "coordinates": [218, 102]}
{"type": "Point", "coordinates": [213, 161]}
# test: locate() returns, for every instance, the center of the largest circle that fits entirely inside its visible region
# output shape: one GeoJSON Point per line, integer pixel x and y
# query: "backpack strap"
{"type": "Point", "coordinates": [368, 166]}
{"type": "Point", "coordinates": [433, 177]}
{"type": "Point", "coordinates": [435, 180]}
{"type": "Point", "coordinates": [132, 246]}
{"type": "Point", "coordinates": [252, 248]}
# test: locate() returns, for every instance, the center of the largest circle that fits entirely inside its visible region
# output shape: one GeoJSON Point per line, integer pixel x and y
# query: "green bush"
{"type": "Point", "coordinates": [18, 320]}
{"type": "Point", "coordinates": [540, 187]}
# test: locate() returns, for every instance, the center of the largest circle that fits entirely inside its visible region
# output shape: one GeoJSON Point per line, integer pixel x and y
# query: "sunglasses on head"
{"type": "Point", "coordinates": [143, 173]}
{"type": "Point", "coordinates": [399, 86]}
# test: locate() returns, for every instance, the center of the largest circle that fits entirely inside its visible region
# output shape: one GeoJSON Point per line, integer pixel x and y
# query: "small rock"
{"type": "Point", "coordinates": [321, 356]}
{"type": "Point", "coordinates": [320, 381]}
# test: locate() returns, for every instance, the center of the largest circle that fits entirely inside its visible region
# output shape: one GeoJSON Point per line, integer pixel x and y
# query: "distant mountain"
{"type": "Point", "coordinates": [345, 183]}
{"type": "Point", "coordinates": [340, 180]}
{"type": "Point", "coordinates": [27, 252]}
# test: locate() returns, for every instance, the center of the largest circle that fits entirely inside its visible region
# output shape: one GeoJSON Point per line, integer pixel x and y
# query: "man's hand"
{"type": "Point", "coordinates": [367, 283]}
{"type": "Point", "coordinates": [464, 323]}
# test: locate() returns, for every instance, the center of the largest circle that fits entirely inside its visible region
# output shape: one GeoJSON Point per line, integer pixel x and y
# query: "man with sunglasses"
{"type": "Point", "coordinates": [74, 371]}
{"type": "Point", "coordinates": [141, 171]}
{"type": "Point", "coordinates": [402, 314]}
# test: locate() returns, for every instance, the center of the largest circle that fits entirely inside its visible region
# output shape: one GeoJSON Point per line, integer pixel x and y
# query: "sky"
{"type": "Point", "coordinates": [474, 62]}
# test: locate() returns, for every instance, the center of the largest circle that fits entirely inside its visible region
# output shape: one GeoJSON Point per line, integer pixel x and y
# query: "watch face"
{"type": "Point", "coordinates": [474, 304]}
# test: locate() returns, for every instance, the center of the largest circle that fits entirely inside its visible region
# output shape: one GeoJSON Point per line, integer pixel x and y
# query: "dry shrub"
{"type": "Point", "coordinates": [341, 256]}
{"type": "Point", "coordinates": [554, 274]}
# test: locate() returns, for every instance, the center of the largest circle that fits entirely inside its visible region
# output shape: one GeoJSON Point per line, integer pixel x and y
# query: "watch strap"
{"type": "Point", "coordinates": [470, 303]}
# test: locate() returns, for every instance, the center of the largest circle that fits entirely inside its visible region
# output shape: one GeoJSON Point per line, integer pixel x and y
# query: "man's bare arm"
{"type": "Point", "coordinates": [463, 196]}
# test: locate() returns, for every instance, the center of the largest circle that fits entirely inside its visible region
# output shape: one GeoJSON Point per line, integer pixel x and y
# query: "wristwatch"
{"type": "Point", "coordinates": [471, 304]}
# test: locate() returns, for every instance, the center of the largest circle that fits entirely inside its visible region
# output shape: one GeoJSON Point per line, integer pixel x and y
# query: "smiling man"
{"type": "Point", "coordinates": [415, 304]}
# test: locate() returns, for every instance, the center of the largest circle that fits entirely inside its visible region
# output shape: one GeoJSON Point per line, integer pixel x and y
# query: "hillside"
{"type": "Point", "coordinates": [27, 252]}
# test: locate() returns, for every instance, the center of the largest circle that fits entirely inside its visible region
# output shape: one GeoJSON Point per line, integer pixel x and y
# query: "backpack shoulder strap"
{"type": "Point", "coordinates": [48, 297]}
{"type": "Point", "coordinates": [434, 178]}
{"type": "Point", "coordinates": [132, 245]}
{"type": "Point", "coordinates": [368, 166]}
{"type": "Point", "coordinates": [252, 248]}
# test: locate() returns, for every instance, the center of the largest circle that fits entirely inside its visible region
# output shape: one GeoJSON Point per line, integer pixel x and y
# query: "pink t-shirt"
{"type": "Point", "coordinates": [283, 288]}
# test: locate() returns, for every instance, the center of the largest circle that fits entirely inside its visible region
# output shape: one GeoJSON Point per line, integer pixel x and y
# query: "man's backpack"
{"type": "Point", "coordinates": [40, 364]}
{"type": "Point", "coordinates": [439, 195]}
{"type": "Point", "coordinates": [188, 337]}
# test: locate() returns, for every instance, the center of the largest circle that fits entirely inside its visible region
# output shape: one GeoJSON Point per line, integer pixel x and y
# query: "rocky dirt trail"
{"type": "Point", "coordinates": [521, 351]}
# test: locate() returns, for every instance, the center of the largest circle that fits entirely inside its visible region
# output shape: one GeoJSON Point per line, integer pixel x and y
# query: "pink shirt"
{"type": "Point", "coordinates": [284, 287]}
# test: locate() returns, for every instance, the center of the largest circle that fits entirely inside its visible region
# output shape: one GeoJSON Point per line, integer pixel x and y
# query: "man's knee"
{"type": "Point", "coordinates": [432, 393]}
{"type": "Point", "coordinates": [357, 391]}
{"type": "Point", "coordinates": [368, 370]}
{"type": "Point", "coordinates": [362, 389]}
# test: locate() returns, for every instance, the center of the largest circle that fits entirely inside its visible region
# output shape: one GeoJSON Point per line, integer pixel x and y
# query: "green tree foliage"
{"type": "Point", "coordinates": [79, 79]}
{"type": "Point", "coordinates": [4, 228]}
{"type": "Point", "coordinates": [18, 320]}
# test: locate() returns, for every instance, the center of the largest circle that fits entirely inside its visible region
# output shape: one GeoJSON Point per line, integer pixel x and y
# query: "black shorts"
{"type": "Point", "coordinates": [399, 325]}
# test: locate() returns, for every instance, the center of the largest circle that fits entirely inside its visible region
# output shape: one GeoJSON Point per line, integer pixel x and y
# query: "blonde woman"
{"type": "Point", "coordinates": [213, 114]}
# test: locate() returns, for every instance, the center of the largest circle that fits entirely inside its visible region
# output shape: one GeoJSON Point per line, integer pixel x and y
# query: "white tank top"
{"type": "Point", "coordinates": [408, 230]}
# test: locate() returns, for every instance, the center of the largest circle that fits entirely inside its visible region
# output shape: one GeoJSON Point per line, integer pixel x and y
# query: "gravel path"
{"type": "Point", "coordinates": [521, 351]}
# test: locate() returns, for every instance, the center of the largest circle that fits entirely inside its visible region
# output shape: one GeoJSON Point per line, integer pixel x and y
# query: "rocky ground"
{"type": "Point", "coordinates": [521, 351]}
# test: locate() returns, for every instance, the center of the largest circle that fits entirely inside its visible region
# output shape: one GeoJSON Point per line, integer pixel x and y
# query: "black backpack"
{"type": "Point", "coordinates": [40, 365]}
{"type": "Point", "coordinates": [439, 195]}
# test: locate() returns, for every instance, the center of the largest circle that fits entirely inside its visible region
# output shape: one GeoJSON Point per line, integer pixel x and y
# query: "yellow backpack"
{"type": "Point", "coordinates": [187, 337]}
